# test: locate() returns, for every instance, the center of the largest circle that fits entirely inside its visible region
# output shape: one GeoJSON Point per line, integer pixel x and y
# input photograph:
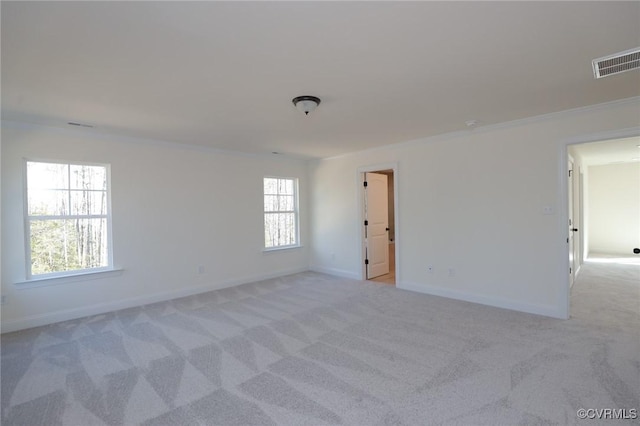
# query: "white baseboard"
{"type": "Point", "coordinates": [544, 310]}
{"type": "Point", "coordinates": [85, 311]}
{"type": "Point", "coordinates": [334, 271]}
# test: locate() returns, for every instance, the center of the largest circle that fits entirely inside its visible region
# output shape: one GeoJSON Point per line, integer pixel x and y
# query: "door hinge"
{"type": "Point", "coordinates": [365, 183]}
{"type": "Point", "coordinates": [570, 173]}
{"type": "Point", "coordinates": [366, 261]}
{"type": "Point", "coordinates": [366, 223]}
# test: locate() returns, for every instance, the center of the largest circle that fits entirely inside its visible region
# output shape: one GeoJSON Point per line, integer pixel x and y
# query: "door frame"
{"type": "Point", "coordinates": [361, 214]}
{"type": "Point", "coordinates": [563, 220]}
{"type": "Point", "coordinates": [376, 230]}
{"type": "Point", "coordinates": [571, 214]}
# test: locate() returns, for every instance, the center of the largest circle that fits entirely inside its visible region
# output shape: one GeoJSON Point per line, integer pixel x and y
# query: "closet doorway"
{"type": "Point", "coordinates": [379, 230]}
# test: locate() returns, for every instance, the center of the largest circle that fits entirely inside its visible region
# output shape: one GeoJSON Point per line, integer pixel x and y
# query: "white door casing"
{"type": "Point", "coordinates": [576, 219]}
{"type": "Point", "coordinates": [377, 224]}
{"type": "Point", "coordinates": [570, 240]}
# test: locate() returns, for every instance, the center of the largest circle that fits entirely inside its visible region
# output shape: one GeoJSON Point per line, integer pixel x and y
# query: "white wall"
{"type": "Point", "coordinates": [174, 208]}
{"type": "Point", "coordinates": [614, 208]}
{"type": "Point", "coordinates": [472, 202]}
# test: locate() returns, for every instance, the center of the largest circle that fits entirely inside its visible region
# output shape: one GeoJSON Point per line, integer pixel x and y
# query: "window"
{"type": "Point", "coordinates": [67, 218]}
{"type": "Point", "coordinates": [280, 212]}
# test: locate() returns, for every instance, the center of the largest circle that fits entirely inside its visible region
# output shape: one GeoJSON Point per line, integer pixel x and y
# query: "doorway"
{"type": "Point", "coordinates": [602, 201]}
{"type": "Point", "coordinates": [379, 225]}
{"type": "Point", "coordinates": [603, 193]}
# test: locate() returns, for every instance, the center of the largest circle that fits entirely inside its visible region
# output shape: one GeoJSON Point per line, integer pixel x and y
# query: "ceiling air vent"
{"type": "Point", "coordinates": [616, 63]}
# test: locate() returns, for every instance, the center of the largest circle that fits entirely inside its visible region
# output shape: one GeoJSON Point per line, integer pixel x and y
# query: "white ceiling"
{"type": "Point", "coordinates": [615, 151]}
{"type": "Point", "coordinates": [222, 74]}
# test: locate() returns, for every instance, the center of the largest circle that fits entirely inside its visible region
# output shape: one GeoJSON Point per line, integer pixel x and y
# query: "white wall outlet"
{"type": "Point", "coordinates": [200, 270]}
{"type": "Point", "coordinates": [547, 209]}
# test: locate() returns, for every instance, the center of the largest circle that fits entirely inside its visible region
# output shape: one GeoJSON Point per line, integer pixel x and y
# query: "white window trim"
{"type": "Point", "coordinates": [64, 276]}
{"type": "Point", "coordinates": [77, 276]}
{"type": "Point", "coordinates": [296, 212]}
{"type": "Point", "coordinates": [278, 248]}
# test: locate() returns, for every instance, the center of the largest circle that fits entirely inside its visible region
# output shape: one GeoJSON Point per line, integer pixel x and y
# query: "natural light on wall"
{"type": "Point", "coordinates": [67, 222]}
{"type": "Point", "coordinates": [280, 212]}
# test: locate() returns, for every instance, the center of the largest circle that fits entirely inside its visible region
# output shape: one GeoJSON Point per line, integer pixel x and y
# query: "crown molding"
{"type": "Point", "coordinates": [499, 126]}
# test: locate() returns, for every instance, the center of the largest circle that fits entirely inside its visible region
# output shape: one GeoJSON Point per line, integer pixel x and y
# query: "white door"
{"type": "Point", "coordinates": [572, 229]}
{"type": "Point", "coordinates": [376, 224]}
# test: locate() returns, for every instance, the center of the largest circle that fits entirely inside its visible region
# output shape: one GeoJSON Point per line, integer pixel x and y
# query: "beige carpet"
{"type": "Point", "coordinates": [312, 349]}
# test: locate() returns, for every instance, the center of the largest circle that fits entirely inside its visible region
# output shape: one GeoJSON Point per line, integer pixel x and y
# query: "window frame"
{"type": "Point", "coordinates": [27, 218]}
{"type": "Point", "coordinates": [296, 214]}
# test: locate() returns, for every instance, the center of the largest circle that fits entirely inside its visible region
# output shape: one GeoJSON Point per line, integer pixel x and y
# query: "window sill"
{"type": "Point", "coordinates": [275, 249]}
{"type": "Point", "coordinates": [69, 278]}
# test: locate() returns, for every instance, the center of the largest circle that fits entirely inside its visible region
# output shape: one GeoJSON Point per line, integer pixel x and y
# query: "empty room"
{"type": "Point", "coordinates": [320, 213]}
